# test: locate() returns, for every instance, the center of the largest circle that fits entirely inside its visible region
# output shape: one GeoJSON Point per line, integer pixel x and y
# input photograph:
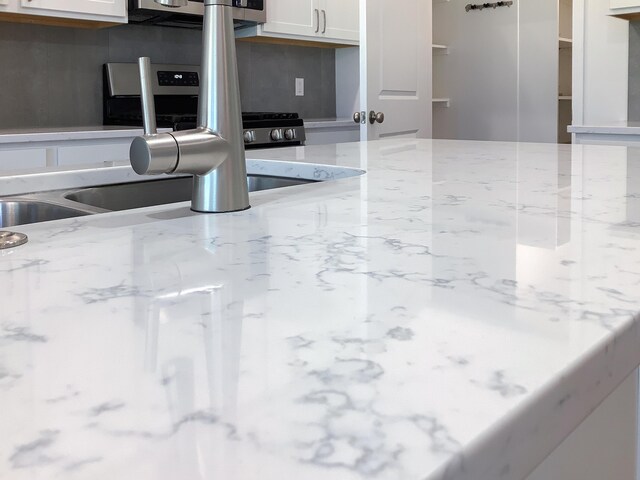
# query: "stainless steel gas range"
{"type": "Point", "coordinates": [175, 89]}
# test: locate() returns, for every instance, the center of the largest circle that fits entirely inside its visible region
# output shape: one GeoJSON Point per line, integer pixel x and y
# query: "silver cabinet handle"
{"type": "Point", "coordinates": [317, 20]}
{"type": "Point", "coordinates": [324, 27]}
{"type": "Point", "coordinates": [376, 117]}
{"type": "Point", "coordinates": [146, 97]}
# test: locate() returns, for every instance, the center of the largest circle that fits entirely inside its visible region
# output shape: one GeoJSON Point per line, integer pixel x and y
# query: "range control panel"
{"type": "Point", "coordinates": [178, 79]}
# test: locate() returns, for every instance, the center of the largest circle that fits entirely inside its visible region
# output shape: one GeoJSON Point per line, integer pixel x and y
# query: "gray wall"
{"type": "Point", "coordinates": [634, 71]}
{"type": "Point", "coordinates": [52, 76]}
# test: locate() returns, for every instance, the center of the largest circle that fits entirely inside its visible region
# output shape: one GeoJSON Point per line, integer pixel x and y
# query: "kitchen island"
{"type": "Point", "coordinates": [455, 313]}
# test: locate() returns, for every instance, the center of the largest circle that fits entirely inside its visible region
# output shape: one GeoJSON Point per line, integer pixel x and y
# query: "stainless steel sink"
{"type": "Point", "coordinates": [160, 192]}
{"type": "Point", "coordinates": [21, 212]}
{"type": "Point", "coordinates": [68, 203]}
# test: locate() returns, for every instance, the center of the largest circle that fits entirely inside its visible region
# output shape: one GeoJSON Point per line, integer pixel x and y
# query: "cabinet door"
{"type": "Point", "coordinates": [624, 3]}
{"type": "Point", "coordinates": [115, 8]}
{"type": "Point", "coordinates": [292, 17]}
{"type": "Point", "coordinates": [22, 159]}
{"type": "Point", "coordinates": [95, 153]}
{"type": "Point", "coordinates": [340, 20]}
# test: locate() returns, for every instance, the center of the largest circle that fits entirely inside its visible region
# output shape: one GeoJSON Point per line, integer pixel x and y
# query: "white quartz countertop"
{"type": "Point", "coordinates": [68, 133]}
{"type": "Point", "coordinates": [454, 313]}
{"type": "Point", "coordinates": [612, 128]}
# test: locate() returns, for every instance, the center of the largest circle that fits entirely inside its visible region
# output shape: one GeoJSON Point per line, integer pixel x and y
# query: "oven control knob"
{"type": "Point", "coordinates": [249, 136]}
{"type": "Point", "coordinates": [290, 134]}
{"type": "Point", "coordinates": [276, 135]}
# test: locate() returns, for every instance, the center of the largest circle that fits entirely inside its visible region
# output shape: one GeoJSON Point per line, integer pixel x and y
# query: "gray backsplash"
{"type": "Point", "coordinates": [634, 71]}
{"type": "Point", "coordinates": [52, 76]}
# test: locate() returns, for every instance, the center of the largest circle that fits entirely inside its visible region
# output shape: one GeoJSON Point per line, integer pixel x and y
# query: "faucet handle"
{"type": "Point", "coordinates": [152, 154]}
{"type": "Point", "coordinates": [146, 97]}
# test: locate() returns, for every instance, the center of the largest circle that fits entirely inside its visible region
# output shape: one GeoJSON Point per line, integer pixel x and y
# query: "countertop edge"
{"type": "Point", "coordinates": [59, 135]}
{"type": "Point", "coordinates": [604, 129]}
{"type": "Point", "coordinates": [557, 410]}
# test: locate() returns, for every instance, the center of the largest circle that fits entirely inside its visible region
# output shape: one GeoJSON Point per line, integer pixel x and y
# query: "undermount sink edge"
{"type": "Point", "coordinates": [99, 198]}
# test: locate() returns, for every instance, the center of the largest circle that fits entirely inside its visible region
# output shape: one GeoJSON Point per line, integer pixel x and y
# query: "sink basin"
{"type": "Point", "coordinates": [160, 192]}
{"type": "Point", "coordinates": [22, 212]}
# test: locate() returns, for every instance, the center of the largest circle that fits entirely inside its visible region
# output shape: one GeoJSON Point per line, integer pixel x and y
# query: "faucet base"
{"type": "Point", "coordinates": [225, 211]}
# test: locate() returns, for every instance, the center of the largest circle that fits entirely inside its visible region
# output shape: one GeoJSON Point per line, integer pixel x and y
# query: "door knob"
{"type": "Point", "coordinates": [376, 117]}
{"type": "Point", "coordinates": [360, 117]}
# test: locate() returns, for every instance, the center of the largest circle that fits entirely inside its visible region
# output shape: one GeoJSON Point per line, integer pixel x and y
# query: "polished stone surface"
{"type": "Point", "coordinates": [454, 313]}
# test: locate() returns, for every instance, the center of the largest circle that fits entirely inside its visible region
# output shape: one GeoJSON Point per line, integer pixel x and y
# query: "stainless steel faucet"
{"type": "Point", "coordinates": [214, 151]}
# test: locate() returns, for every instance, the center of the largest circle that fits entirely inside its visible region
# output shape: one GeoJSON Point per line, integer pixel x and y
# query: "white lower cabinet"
{"type": "Point", "coordinates": [64, 11]}
{"type": "Point", "coordinates": [326, 132]}
{"type": "Point", "coordinates": [93, 154]}
{"type": "Point", "coordinates": [48, 151]}
{"type": "Point", "coordinates": [323, 21]}
{"type": "Point", "coordinates": [24, 159]}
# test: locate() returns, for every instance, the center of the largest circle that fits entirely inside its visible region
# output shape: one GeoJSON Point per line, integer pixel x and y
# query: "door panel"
{"type": "Point", "coordinates": [395, 70]}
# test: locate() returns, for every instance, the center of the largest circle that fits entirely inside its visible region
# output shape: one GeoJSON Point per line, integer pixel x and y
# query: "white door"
{"type": "Point", "coordinates": [115, 8]}
{"type": "Point", "coordinates": [340, 19]}
{"type": "Point", "coordinates": [395, 68]}
{"type": "Point", "coordinates": [293, 17]}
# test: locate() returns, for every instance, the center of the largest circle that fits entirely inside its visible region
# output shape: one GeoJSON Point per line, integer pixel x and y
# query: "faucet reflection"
{"type": "Point", "coordinates": [214, 151]}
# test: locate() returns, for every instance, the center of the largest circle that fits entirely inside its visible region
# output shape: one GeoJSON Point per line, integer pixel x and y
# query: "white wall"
{"type": "Point", "coordinates": [600, 64]}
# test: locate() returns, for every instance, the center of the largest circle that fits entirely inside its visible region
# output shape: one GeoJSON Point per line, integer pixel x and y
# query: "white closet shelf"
{"type": "Point", "coordinates": [565, 42]}
{"type": "Point", "coordinates": [442, 101]}
{"type": "Point", "coordinates": [565, 97]}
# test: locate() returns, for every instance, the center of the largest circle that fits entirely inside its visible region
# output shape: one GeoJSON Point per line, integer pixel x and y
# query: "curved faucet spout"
{"type": "Point", "coordinates": [213, 152]}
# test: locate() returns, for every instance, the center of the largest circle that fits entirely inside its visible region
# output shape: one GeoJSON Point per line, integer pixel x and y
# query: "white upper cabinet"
{"type": "Point", "coordinates": [340, 19]}
{"type": "Point", "coordinates": [292, 17]}
{"type": "Point", "coordinates": [328, 21]}
{"type": "Point", "coordinates": [111, 8]}
{"type": "Point", "coordinates": [65, 12]}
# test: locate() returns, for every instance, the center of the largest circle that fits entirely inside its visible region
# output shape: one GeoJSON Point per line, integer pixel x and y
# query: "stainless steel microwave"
{"type": "Point", "coordinates": [190, 16]}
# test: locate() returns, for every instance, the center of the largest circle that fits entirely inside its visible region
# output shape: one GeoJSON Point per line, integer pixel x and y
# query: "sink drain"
{"type": "Point", "coordinates": [12, 239]}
